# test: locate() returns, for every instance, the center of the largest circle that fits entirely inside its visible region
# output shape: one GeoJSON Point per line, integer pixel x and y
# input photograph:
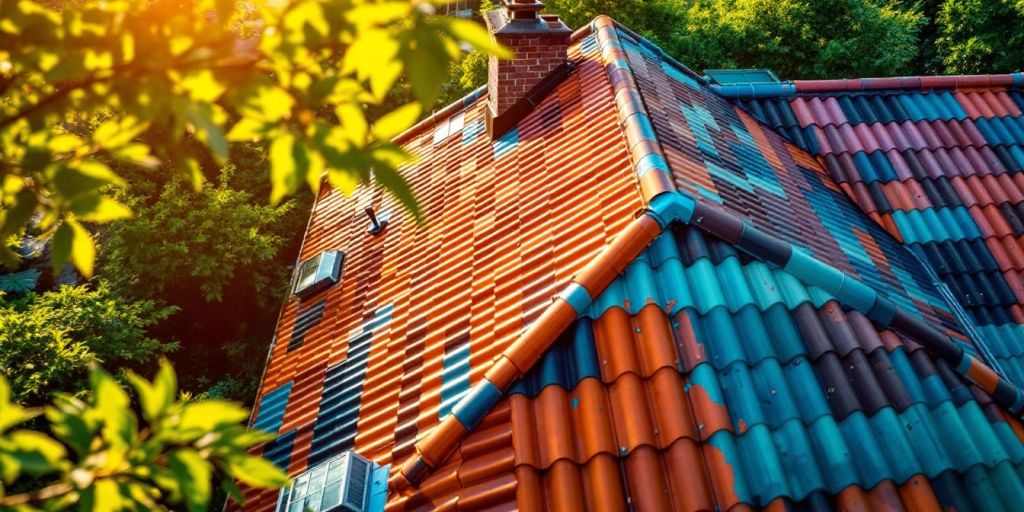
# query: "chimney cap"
{"type": "Point", "coordinates": [506, 22]}
{"type": "Point", "coordinates": [522, 10]}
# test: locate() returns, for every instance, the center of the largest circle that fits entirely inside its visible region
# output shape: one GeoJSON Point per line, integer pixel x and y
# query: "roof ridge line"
{"type": "Point", "coordinates": [923, 83]}
{"type": "Point", "coordinates": [664, 206]}
{"type": "Point", "coordinates": [479, 92]}
{"type": "Point", "coordinates": [668, 204]}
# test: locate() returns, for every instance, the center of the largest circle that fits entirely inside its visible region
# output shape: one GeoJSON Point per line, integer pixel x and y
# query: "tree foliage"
{"type": "Point", "coordinates": [466, 76]}
{"type": "Point", "coordinates": [294, 76]}
{"type": "Point", "coordinates": [981, 36]}
{"type": "Point", "coordinates": [795, 38]}
{"type": "Point", "coordinates": [800, 38]}
{"type": "Point", "coordinates": [100, 455]}
{"type": "Point", "coordinates": [187, 241]}
{"type": "Point", "coordinates": [48, 341]}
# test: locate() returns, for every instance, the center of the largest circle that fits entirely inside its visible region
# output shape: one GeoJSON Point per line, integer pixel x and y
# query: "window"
{"type": "Point", "coordinates": [317, 273]}
{"type": "Point", "coordinates": [458, 8]}
{"type": "Point", "coordinates": [339, 484]}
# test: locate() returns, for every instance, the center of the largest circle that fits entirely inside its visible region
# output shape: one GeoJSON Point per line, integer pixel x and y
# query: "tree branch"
{"type": "Point", "coordinates": [46, 493]}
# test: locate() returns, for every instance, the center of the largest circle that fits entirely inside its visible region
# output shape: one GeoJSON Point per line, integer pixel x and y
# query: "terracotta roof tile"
{"type": "Point", "coordinates": [683, 373]}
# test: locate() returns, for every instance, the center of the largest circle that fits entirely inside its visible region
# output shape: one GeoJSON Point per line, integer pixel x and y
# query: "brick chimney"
{"type": "Point", "coordinates": [540, 43]}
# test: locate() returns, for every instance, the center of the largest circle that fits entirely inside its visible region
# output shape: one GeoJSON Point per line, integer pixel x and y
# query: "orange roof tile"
{"type": "Point", "coordinates": [750, 339]}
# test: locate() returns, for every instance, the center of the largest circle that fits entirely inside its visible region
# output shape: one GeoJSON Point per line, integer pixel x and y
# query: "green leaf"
{"type": "Point", "coordinates": [427, 76]}
{"type": "Point", "coordinates": [17, 214]}
{"type": "Point", "coordinates": [113, 405]}
{"type": "Point", "coordinates": [73, 241]}
{"type": "Point", "coordinates": [35, 452]}
{"type": "Point", "coordinates": [202, 86]}
{"type": "Point", "coordinates": [384, 77]}
{"type": "Point", "coordinates": [157, 396]}
{"type": "Point", "coordinates": [100, 209]}
{"type": "Point", "coordinates": [248, 129]}
{"type": "Point", "coordinates": [151, 404]}
{"type": "Point", "coordinates": [267, 103]}
{"type": "Point", "coordinates": [194, 476]}
{"type": "Point", "coordinates": [344, 180]}
{"type": "Point", "coordinates": [368, 52]}
{"type": "Point", "coordinates": [398, 187]}
{"type": "Point", "coordinates": [118, 132]}
{"type": "Point", "coordinates": [63, 143]}
{"type": "Point", "coordinates": [166, 382]}
{"type": "Point", "coordinates": [103, 495]}
{"type": "Point", "coordinates": [202, 117]}
{"type": "Point", "coordinates": [71, 429]}
{"type": "Point", "coordinates": [136, 153]}
{"type": "Point", "coordinates": [83, 177]}
{"type": "Point", "coordinates": [232, 490]}
{"type": "Point", "coordinates": [477, 36]}
{"type": "Point", "coordinates": [396, 121]}
{"type": "Point", "coordinates": [257, 472]}
{"type": "Point", "coordinates": [208, 415]}
{"type": "Point", "coordinates": [289, 163]}
{"type": "Point", "coordinates": [353, 122]}
{"type": "Point", "coordinates": [11, 413]}
{"type": "Point", "coordinates": [193, 172]}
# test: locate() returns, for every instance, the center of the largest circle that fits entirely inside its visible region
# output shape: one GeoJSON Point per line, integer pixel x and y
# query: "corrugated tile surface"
{"type": "Point", "coordinates": [766, 394]}
{"type": "Point", "coordinates": [724, 155]}
{"type": "Point", "coordinates": [507, 224]}
{"type": "Point", "coordinates": [942, 171]}
{"type": "Point", "coordinates": [700, 379]}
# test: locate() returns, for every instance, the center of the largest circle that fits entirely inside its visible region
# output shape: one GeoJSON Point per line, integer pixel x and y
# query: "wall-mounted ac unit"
{"type": "Point", "coordinates": [318, 273]}
{"type": "Point", "coordinates": [336, 485]}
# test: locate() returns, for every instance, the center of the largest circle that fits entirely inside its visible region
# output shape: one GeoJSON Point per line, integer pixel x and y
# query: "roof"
{"type": "Point", "coordinates": [940, 169]}
{"type": "Point", "coordinates": [647, 294]}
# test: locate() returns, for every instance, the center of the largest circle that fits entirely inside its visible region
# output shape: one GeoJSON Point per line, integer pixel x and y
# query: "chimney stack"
{"type": "Point", "coordinates": [540, 43]}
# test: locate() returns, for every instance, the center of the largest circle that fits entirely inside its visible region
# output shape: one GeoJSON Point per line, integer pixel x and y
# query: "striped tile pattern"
{"type": "Point", "coordinates": [508, 223]}
{"type": "Point", "coordinates": [774, 185]}
{"type": "Point", "coordinates": [691, 377]}
{"type": "Point", "coordinates": [797, 402]}
{"type": "Point", "coordinates": [941, 170]}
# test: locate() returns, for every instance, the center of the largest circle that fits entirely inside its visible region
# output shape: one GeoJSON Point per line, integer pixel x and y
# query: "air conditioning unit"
{"type": "Point", "coordinates": [318, 273]}
{"type": "Point", "coordinates": [336, 485]}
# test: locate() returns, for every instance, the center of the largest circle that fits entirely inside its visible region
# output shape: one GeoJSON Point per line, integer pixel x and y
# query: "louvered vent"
{"type": "Point", "coordinates": [317, 273]}
{"type": "Point", "coordinates": [339, 484]}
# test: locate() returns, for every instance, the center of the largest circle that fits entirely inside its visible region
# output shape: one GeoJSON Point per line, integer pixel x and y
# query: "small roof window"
{"type": "Point", "coordinates": [318, 273]}
{"type": "Point", "coordinates": [451, 126]}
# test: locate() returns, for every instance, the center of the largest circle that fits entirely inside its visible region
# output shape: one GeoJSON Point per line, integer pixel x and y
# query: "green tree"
{"type": "Point", "coordinates": [796, 38]}
{"type": "Point", "coordinates": [294, 76]}
{"type": "Point", "coordinates": [980, 36]}
{"type": "Point", "coordinates": [100, 455]}
{"type": "Point", "coordinates": [800, 38]}
{"type": "Point", "coordinates": [658, 20]}
{"type": "Point", "coordinates": [187, 241]}
{"type": "Point", "coordinates": [465, 77]}
{"type": "Point", "coordinates": [48, 341]}
{"type": "Point", "coordinates": [222, 253]}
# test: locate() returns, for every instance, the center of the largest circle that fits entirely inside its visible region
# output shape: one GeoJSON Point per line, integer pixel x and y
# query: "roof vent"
{"type": "Point", "coordinates": [339, 484]}
{"type": "Point", "coordinates": [377, 223]}
{"type": "Point", "coordinates": [742, 76]}
{"type": "Point", "coordinates": [318, 273]}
